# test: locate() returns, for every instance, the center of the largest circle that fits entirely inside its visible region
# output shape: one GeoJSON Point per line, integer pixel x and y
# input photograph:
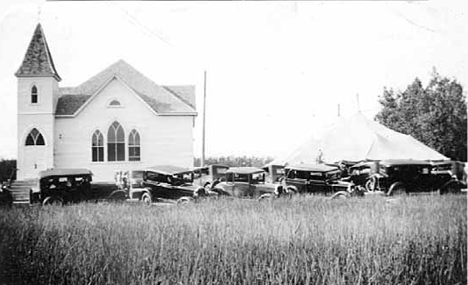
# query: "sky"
{"type": "Point", "coordinates": [276, 71]}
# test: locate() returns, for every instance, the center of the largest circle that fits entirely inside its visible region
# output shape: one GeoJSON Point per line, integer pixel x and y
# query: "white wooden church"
{"type": "Point", "coordinates": [116, 120]}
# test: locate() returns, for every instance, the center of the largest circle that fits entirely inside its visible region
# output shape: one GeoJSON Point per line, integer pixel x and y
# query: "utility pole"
{"type": "Point", "coordinates": [204, 120]}
{"type": "Point", "coordinates": [357, 102]}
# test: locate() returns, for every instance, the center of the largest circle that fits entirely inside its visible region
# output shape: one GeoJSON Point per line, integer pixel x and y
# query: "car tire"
{"type": "Point", "coordinates": [451, 188]}
{"type": "Point", "coordinates": [146, 198]}
{"type": "Point", "coordinates": [52, 201]}
{"type": "Point", "coordinates": [371, 184]}
{"type": "Point", "coordinates": [397, 188]}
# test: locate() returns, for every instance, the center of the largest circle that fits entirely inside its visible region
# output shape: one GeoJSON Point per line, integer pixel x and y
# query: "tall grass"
{"type": "Point", "coordinates": [412, 240]}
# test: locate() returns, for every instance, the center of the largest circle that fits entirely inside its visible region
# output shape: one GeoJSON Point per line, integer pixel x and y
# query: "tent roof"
{"type": "Point", "coordinates": [357, 139]}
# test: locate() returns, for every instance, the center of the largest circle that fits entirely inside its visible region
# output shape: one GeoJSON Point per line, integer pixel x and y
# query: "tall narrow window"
{"type": "Point", "coordinates": [98, 146]}
{"type": "Point", "coordinates": [34, 94]}
{"type": "Point", "coordinates": [134, 146]}
{"type": "Point", "coordinates": [115, 143]}
{"type": "Point", "coordinates": [35, 138]}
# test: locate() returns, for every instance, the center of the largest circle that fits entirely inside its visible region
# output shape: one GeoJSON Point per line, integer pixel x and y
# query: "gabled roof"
{"type": "Point", "coordinates": [164, 100]}
{"type": "Point", "coordinates": [38, 61]}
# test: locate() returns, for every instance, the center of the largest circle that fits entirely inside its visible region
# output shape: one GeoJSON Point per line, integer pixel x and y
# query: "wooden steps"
{"type": "Point", "coordinates": [20, 190]}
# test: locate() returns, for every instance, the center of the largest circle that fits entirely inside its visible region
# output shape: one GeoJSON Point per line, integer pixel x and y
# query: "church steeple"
{"type": "Point", "coordinates": [38, 61]}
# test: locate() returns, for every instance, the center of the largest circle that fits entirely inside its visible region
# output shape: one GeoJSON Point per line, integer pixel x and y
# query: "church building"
{"type": "Point", "coordinates": [117, 120]}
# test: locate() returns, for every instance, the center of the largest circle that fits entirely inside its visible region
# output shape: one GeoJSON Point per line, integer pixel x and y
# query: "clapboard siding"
{"type": "Point", "coordinates": [164, 139]}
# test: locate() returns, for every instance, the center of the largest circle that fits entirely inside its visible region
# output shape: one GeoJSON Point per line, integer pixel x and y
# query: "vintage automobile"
{"type": "Point", "coordinates": [247, 182]}
{"type": "Point", "coordinates": [162, 183]}
{"type": "Point", "coordinates": [64, 186]}
{"type": "Point", "coordinates": [315, 179]}
{"type": "Point", "coordinates": [398, 176]}
{"type": "Point", "coordinates": [454, 169]}
{"type": "Point", "coordinates": [206, 175]}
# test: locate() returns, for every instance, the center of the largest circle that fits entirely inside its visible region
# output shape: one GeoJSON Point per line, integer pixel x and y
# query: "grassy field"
{"type": "Point", "coordinates": [409, 240]}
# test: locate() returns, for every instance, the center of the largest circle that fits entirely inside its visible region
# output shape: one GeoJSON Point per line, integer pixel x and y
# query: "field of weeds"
{"type": "Point", "coordinates": [311, 240]}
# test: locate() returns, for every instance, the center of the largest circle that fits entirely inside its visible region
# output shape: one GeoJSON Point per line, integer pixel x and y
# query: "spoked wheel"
{"type": "Point", "coordinates": [397, 188]}
{"type": "Point", "coordinates": [52, 201]}
{"type": "Point", "coordinates": [146, 198]}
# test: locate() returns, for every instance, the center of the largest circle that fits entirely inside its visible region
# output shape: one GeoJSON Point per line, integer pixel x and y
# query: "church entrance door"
{"type": "Point", "coordinates": [33, 161]}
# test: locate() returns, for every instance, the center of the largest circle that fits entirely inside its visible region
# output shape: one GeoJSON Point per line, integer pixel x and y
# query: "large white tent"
{"type": "Point", "coordinates": [356, 139]}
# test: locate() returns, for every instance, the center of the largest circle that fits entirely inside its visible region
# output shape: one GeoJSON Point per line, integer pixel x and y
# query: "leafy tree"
{"type": "Point", "coordinates": [7, 169]}
{"type": "Point", "coordinates": [435, 115]}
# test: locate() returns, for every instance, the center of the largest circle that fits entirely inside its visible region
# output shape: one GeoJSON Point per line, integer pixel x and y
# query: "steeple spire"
{"type": "Point", "coordinates": [38, 61]}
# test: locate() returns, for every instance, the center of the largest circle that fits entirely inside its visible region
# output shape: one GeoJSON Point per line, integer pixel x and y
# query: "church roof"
{"type": "Point", "coordinates": [38, 60]}
{"type": "Point", "coordinates": [162, 99]}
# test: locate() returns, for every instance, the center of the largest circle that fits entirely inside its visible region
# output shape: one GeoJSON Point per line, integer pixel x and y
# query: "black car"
{"type": "Point", "coordinates": [315, 178]}
{"type": "Point", "coordinates": [163, 183]}
{"type": "Point", "coordinates": [407, 176]}
{"type": "Point", "coordinates": [64, 186]}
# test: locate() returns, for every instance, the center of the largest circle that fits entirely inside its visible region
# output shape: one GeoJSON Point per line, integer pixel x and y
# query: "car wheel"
{"type": "Point", "coordinates": [371, 184]}
{"type": "Point", "coordinates": [397, 188]}
{"type": "Point", "coordinates": [451, 188]}
{"type": "Point", "coordinates": [52, 201]}
{"type": "Point", "coordinates": [340, 195]}
{"type": "Point", "coordinates": [146, 198]}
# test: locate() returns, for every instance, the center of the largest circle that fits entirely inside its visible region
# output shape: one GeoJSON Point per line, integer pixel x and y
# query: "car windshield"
{"type": "Point", "coordinates": [182, 178]}
{"type": "Point", "coordinates": [220, 170]}
{"type": "Point", "coordinates": [308, 175]}
{"type": "Point", "coordinates": [237, 177]}
{"type": "Point", "coordinates": [258, 178]}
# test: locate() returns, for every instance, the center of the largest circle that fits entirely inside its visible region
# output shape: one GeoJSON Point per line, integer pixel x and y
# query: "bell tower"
{"type": "Point", "coordinates": [37, 99]}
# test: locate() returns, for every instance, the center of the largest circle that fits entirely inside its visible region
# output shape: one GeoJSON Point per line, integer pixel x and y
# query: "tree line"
{"type": "Point", "coordinates": [434, 114]}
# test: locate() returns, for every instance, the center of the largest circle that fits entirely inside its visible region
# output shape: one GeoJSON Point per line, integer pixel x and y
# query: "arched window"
{"type": "Point", "coordinates": [35, 138]}
{"type": "Point", "coordinates": [34, 94]}
{"type": "Point", "coordinates": [114, 103]}
{"type": "Point", "coordinates": [134, 146]}
{"type": "Point", "coordinates": [97, 146]}
{"type": "Point", "coordinates": [115, 143]}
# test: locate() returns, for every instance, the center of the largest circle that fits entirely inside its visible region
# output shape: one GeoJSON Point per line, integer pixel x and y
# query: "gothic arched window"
{"type": "Point", "coordinates": [115, 143]}
{"type": "Point", "coordinates": [97, 146]}
{"type": "Point", "coordinates": [34, 94]}
{"type": "Point", "coordinates": [35, 138]}
{"type": "Point", "coordinates": [134, 146]}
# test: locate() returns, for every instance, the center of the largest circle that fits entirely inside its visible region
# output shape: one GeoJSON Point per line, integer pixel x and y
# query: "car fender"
{"type": "Point", "coordinates": [291, 189]}
{"type": "Point", "coordinates": [393, 186]}
{"type": "Point", "coordinates": [220, 191]}
{"type": "Point", "coordinates": [118, 195]}
{"type": "Point", "coordinates": [199, 192]}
